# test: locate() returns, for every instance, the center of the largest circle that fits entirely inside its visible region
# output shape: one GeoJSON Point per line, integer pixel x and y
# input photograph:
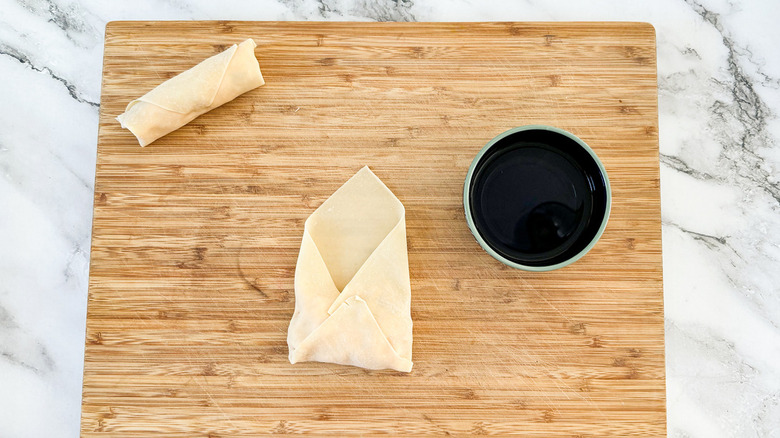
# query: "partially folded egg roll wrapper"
{"type": "Point", "coordinates": [177, 101]}
{"type": "Point", "coordinates": [352, 290]}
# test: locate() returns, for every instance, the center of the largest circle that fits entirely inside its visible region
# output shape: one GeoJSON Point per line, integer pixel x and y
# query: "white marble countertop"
{"type": "Point", "coordinates": [719, 98]}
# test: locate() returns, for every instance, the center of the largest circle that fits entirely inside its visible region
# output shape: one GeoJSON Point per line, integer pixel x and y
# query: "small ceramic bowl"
{"type": "Point", "coordinates": [537, 198]}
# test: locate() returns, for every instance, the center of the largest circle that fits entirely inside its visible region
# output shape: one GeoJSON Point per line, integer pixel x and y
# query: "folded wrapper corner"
{"type": "Point", "coordinates": [352, 289]}
{"type": "Point", "coordinates": [177, 101]}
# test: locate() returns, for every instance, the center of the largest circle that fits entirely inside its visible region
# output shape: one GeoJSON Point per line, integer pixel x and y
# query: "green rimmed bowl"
{"type": "Point", "coordinates": [537, 198]}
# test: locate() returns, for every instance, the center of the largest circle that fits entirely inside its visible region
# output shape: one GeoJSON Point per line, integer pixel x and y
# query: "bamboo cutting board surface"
{"type": "Point", "coordinates": [196, 236]}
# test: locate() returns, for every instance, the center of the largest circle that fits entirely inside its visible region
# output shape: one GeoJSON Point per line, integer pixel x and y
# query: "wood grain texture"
{"type": "Point", "coordinates": [195, 237]}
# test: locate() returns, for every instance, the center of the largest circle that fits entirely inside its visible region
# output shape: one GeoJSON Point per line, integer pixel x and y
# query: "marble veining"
{"type": "Point", "coordinates": [719, 97]}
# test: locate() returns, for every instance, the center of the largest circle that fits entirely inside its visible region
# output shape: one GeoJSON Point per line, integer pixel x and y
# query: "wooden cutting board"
{"type": "Point", "coordinates": [195, 237]}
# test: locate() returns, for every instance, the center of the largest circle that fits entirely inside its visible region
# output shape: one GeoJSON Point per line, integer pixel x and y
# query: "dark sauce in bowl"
{"type": "Point", "coordinates": [538, 197]}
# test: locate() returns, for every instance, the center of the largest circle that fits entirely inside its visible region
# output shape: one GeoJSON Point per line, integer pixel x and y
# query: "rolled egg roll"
{"type": "Point", "coordinates": [177, 101]}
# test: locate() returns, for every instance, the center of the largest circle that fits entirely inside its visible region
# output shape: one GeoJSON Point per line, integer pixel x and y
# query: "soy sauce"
{"type": "Point", "coordinates": [537, 197]}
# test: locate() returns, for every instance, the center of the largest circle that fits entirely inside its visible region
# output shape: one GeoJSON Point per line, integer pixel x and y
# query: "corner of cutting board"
{"type": "Point", "coordinates": [120, 26]}
{"type": "Point", "coordinates": [112, 24]}
{"type": "Point", "coordinates": [645, 26]}
{"type": "Point", "coordinates": [642, 27]}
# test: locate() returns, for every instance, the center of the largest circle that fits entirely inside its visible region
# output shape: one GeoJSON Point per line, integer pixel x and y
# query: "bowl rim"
{"type": "Point", "coordinates": [467, 204]}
